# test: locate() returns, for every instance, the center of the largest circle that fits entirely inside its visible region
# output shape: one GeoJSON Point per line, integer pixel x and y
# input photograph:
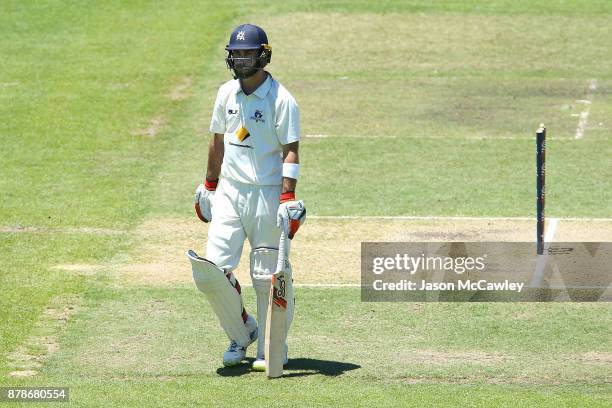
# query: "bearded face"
{"type": "Point", "coordinates": [244, 63]}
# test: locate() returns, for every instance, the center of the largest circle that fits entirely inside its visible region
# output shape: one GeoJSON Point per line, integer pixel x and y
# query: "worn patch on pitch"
{"type": "Point", "coordinates": [454, 357]}
{"type": "Point", "coordinates": [526, 380]}
{"type": "Point", "coordinates": [597, 357]}
{"type": "Point", "coordinates": [181, 90]}
{"type": "Point", "coordinates": [59, 230]}
{"type": "Point", "coordinates": [79, 269]}
{"type": "Point", "coordinates": [155, 125]}
{"type": "Point", "coordinates": [27, 359]}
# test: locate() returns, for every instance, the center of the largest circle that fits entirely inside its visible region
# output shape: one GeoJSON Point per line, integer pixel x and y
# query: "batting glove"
{"type": "Point", "coordinates": [203, 199]}
{"type": "Point", "coordinates": [291, 214]}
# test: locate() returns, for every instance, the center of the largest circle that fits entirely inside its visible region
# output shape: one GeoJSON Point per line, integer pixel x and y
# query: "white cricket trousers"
{"type": "Point", "coordinates": [241, 211]}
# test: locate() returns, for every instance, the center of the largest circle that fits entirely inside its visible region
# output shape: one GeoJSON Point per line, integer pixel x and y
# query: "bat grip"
{"type": "Point", "coordinates": [283, 251]}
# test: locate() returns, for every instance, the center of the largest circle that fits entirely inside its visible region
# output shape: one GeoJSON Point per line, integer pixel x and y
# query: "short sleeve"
{"type": "Point", "coordinates": [217, 122]}
{"type": "Point", "coordinates": [288, 121]}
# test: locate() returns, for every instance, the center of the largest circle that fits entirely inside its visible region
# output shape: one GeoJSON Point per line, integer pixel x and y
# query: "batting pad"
{"type": "Point", "coordinates": [223, 293]}
{"type": "Point", "coordinates": [263, 266]}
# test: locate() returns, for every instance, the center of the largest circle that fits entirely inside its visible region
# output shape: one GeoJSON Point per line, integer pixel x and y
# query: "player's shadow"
{"type": "Point", "coordinates": [312, 366]}
{"type": "Point", "coordinates": [297, 367]}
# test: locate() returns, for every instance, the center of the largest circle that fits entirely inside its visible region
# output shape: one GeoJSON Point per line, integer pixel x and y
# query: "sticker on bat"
{"type": "Point", "coordinates": [279, 294]}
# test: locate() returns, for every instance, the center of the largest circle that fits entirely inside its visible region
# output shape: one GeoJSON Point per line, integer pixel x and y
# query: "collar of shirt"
{"type": "Point", "coordinates": [262, 90]}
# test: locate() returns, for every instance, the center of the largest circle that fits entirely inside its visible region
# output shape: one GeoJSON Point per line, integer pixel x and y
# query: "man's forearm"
{"type": "Point", "coordinates": [216, 151]}
{"type": "Point", "coordinates": [289, 184]}
{"type": "Point", "coordinates": [290, 155]}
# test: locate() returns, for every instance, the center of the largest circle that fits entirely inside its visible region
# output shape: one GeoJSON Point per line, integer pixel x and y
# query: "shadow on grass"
{"type": "Point", "coordinates": [297, 367]}
{"type": "Point", "coordinates": [310, 366]}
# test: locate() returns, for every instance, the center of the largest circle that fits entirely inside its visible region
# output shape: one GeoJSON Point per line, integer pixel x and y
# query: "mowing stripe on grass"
{"type": "Point", "coordinates": [442, 218]}
{"type": "Point", "coordinates": [11, 229]}
{"type": "Point", "coordinates": [428, 137]}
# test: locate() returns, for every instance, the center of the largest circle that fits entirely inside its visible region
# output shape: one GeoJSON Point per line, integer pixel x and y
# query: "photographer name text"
{"type": "Point", "coordinates": [480, 285]}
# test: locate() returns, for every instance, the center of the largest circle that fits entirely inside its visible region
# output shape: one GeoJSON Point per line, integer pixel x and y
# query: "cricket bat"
{"type": "Point", "coordinates": [276, 319]}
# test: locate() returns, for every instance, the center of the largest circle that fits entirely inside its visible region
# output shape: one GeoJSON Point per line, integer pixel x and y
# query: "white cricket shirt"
{"type": "Point", "coordinates": [272, 118]}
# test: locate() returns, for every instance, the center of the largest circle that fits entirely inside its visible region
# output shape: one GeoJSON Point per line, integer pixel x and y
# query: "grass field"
{"type": "Point", "coordinates": [419, 113]}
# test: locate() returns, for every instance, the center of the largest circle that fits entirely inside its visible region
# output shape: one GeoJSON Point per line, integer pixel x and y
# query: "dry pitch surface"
{"type": "Point", "coordinates": [326, 250]}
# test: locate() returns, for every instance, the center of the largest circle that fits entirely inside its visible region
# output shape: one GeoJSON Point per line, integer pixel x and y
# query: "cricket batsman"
{"type": "Point", "coordinates": [249, 191]}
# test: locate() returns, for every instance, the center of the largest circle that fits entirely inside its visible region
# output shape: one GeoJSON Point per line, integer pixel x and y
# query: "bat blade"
{"type": "Point", "coordinates": [276, 319]}
{"type": "Point", "coordinates": [275, 326]}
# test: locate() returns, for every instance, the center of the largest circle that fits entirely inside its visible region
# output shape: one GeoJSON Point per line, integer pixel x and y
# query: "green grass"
{"type": "Point", "coordinates": [86, 82]}
{"type": "Point", "coordinates": [429, 109]}
{"type": "Point", "coordinates": [78, 85]}
{"type": "Point", "coordinates": [144, 344]}
{"type": "Point", "coordinates": [409, 106]}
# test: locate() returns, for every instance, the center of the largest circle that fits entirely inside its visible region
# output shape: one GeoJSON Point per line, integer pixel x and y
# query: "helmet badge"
{"type": "Point", "coordinates": [240, 36]}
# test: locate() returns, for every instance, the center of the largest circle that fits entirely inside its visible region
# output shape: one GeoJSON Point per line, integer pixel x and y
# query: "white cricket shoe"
{"type": "Point", "coordinates": [260, 362]}
{"type": "Point", "coordinates": [236, 353]}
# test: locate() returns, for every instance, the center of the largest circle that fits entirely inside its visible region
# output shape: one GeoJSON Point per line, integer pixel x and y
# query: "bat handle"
{"type": "Point", "coordinates": [283, 251]}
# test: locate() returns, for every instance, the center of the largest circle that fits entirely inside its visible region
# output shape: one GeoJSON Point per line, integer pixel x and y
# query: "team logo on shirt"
{"type": "Point", "coordinates": [258, 116]}
{"type": "Point", "coordinates": [232, 111]}
{"type": "Point", "coordinates": [242, 133]}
